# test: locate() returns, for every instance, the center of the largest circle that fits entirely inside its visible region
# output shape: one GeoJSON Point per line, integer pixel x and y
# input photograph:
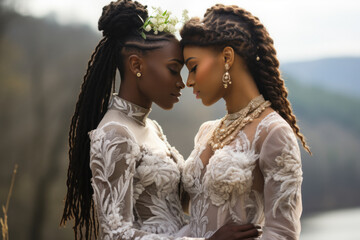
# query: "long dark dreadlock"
{"type": "Point", "coordinates": [120, 23]}
{"type": "Point", "coordinates": [233, 26]}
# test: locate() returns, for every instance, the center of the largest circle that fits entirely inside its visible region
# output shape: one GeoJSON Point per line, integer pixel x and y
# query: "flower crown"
{"type": "Point", "coordinates": [161, 22]}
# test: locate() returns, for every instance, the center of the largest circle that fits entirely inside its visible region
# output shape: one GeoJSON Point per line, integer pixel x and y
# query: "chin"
{"type": "Point", "coordinates": [207, 103]}
{"type": "Point", "coordinates": [166, 106]}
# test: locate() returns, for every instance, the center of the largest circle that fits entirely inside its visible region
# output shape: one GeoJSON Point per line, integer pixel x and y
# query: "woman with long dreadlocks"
{"type": "Point", "coordinates": [131, 189]}
{"type": "Point", "coordinates": [245, 167]}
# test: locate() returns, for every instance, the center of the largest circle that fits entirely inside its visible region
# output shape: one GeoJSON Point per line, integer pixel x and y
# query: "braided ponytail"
{"type": "Point", "coordinates": [119, 23]}
{"type": "Point", "coordinates": [233, 26]}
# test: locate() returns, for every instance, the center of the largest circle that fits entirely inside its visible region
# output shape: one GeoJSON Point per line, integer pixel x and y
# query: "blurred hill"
{"type": "Point", "coordinates": [41, 68]}
{"type": "Point", "coordinates": [340, 74]}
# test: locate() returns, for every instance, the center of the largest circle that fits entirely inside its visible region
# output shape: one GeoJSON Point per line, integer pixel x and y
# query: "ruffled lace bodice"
{"type": "Point", "coordinates": [135, 176]}
{"type": "Point", "coordinates": [255, 179]}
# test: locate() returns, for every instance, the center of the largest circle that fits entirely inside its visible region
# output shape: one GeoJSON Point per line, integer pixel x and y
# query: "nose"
{"type": "Point", "coordinates": [180, 84]}
{"type": "Point", "coordinates": [190, 82]}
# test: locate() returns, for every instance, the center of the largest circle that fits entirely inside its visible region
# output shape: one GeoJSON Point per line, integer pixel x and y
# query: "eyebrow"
{"type": "Point", "coordinates": [177, 60]}
{"type": "Point", "coordinates": [188, 59]}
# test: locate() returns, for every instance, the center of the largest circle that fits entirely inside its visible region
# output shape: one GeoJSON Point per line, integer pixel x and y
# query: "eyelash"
{"type": "Point", "coordinates": [173, 72]}
{"type": "Point", "coordinates": [193, 69]}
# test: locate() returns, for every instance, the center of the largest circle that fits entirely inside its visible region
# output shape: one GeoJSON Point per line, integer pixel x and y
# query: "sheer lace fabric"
{"type": "Point", "coordinates": [136, 175]}
{"type": "Point", "coordinates": [256, 179]}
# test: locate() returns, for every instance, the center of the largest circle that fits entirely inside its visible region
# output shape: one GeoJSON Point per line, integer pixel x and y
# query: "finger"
{"type": "Point", "coordinates": [244, 227]}
{"type": "Point", "coordinates": [258, 226]}
{"type": "Point", "coordinates": [253, 233]}
{"type": "Point", "coordinates": [235, 227]}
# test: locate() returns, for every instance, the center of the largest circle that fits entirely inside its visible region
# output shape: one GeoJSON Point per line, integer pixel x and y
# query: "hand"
{"type": "Point", "coordinates": [233, 231]}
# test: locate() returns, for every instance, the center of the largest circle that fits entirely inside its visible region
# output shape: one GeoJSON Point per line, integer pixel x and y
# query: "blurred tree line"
{"type": "Point", "coordinates": [41, 69]}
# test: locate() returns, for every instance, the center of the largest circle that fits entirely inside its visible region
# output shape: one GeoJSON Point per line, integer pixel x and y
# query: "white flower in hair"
{"type": "Point", "coordinates": [161, 22]}
{"type": "Point", "coordinates": [185, 16]}
{"type": "Point", "coordinates": [153, 21]}
{"type": "Point", "coordinates": [162, 27]}
{"type": "Point", "coordinates": [148, 28]}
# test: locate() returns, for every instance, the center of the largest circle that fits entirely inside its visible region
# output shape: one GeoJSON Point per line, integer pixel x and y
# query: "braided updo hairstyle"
{"type": "Point", "coordinates": [235, 27]}
{"type": "Point", "coordinates": [120, 23]}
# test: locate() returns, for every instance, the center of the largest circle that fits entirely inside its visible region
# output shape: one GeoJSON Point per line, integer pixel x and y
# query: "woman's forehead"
{"type": "Point", "coordinates": [170, 50]}
{"type": "Point", "coordinates": [197, 51]}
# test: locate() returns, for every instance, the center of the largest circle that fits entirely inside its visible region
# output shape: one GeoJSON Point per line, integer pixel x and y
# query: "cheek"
{"type": "Point", "coordinates": [158, 82]}
{"type": "Point", "coordinates": [156, 76]}
{"type": "Point", "coordinates": [206, 71]}
{"type": "Point", "coordinates": [153, 72]}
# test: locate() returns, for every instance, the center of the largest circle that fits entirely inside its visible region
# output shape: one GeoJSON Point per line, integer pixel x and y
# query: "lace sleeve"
{"type": "Point", "coordinates": [280, 164]}
{"type": "Point", "coordinates": [113, 156]}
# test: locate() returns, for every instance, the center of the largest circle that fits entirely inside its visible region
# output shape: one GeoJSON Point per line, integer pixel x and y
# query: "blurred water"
{"type": "Point", "coordinates": [339, 225]}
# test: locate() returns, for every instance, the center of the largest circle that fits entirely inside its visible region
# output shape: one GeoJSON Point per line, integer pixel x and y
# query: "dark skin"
{"type": "Point", "coordinates": [161, 83]}
{"type": "Point", "coordinates": [160, 80]}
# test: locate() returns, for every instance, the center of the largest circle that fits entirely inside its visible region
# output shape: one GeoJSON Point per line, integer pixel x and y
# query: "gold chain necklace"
{"type": "Point", "coordinates": [225, 133]}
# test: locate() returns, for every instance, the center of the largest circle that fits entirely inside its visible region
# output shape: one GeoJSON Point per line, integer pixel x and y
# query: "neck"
{"type": "Point", "coordinates": [242, 90]}
{"type": "Point", "coordinates": [130, 92]}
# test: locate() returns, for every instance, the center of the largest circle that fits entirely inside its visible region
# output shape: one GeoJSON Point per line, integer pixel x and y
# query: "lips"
{"type": "Point", "coordinates": [196, 93]}
{"type": "Point", "coordinates": [177, 94]}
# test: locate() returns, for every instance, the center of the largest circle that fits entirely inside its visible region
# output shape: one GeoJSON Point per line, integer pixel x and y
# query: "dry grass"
{"type": "Point", "coordinates": [3, 221]}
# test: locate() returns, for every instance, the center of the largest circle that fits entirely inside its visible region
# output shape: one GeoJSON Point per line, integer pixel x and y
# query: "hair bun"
{"type": "Point", "coordinates": [121, 18]}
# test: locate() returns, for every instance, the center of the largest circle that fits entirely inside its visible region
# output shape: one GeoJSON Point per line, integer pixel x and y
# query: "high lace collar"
{"type": "Point", "coordinates": [137, 113]}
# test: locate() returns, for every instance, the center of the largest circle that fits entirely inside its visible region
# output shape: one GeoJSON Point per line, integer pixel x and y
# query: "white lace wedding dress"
{"type": "Point", "coordinates": [136, 175]}
{"type": "Point", "coordinates": [255, 179]}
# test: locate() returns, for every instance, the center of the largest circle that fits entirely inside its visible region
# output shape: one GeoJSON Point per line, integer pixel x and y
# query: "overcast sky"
{"type": "Point", "coordinates": [302, 30]}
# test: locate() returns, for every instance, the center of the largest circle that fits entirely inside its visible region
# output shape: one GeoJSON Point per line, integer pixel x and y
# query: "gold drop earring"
{"type": "Point", "coordinates": [138, 74]}
{"type": "Point", "coordinates": [226, 79]}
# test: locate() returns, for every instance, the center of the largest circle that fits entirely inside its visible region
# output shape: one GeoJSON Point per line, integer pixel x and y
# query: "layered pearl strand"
{"type": "Point", "coordinates": [231, 124]}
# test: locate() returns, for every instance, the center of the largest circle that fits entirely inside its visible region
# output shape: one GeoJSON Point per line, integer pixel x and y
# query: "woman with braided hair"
{"type": "Point", "coordinates": [123, 176]}
{"type": "Point", "coordinates": [245, 167]}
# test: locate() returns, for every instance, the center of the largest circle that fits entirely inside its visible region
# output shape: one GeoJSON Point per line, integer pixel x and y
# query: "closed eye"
{"type": "Point", "coordinates": [173, 71]}
{"type": "Point", "coordinates": [193, 69]}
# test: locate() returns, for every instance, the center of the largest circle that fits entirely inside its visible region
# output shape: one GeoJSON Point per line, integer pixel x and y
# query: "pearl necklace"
{"type": "Point", "coordinates": [231, 124]}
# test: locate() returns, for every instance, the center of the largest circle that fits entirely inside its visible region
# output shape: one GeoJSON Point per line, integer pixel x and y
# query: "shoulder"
{"type": "Point", "coordinates": [156, 126]}
{"type": "Point", "coordinates": [271, 121]}
{"type": "Point", "coordinates": [206, 128]}
{"type": "Point", "coordinates": [209, 124]}
{"type": "Point", "coordinates": [110, 131]}
{"type": "Point", "coordinates": [277, 137]}
{"type": "Point", "coordinates": [111, 143]}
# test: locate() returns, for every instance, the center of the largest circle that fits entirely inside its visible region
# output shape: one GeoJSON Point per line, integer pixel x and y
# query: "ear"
{"type": "Point", "coordinates": [136, 64]}
{"type": "Point", "coordinates": [228, 54]}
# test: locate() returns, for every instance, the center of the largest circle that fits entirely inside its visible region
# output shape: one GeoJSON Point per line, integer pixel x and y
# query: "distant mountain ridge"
{"type": "Point", "coordinates": [340, 74]}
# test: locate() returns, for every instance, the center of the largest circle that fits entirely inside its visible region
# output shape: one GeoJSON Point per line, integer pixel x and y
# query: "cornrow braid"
{"type": "Point", "coordinates": [233, 26]}
{"type": "Point", "coordinates": [119, 23]}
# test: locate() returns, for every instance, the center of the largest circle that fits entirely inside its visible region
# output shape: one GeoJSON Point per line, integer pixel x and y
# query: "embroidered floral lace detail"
{"type": "Point", "coordinates": [123, 172]}
{"type": "Point", "coordinates": [192, 172]}
{"type": "Point", "coordinates": [199, 220]}
{"type": "Point", "coordinates": [289, 174]}
{"type": "Point", "coordinates": [229, 171]}
{"type": "Point", "coordinates": [139, 114]}
{"type": "Point", "coordinates": [228, 189]}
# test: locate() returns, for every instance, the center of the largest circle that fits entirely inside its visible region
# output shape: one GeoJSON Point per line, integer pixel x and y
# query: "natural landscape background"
{"type": "Point", "coordinates": [41, 68]}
